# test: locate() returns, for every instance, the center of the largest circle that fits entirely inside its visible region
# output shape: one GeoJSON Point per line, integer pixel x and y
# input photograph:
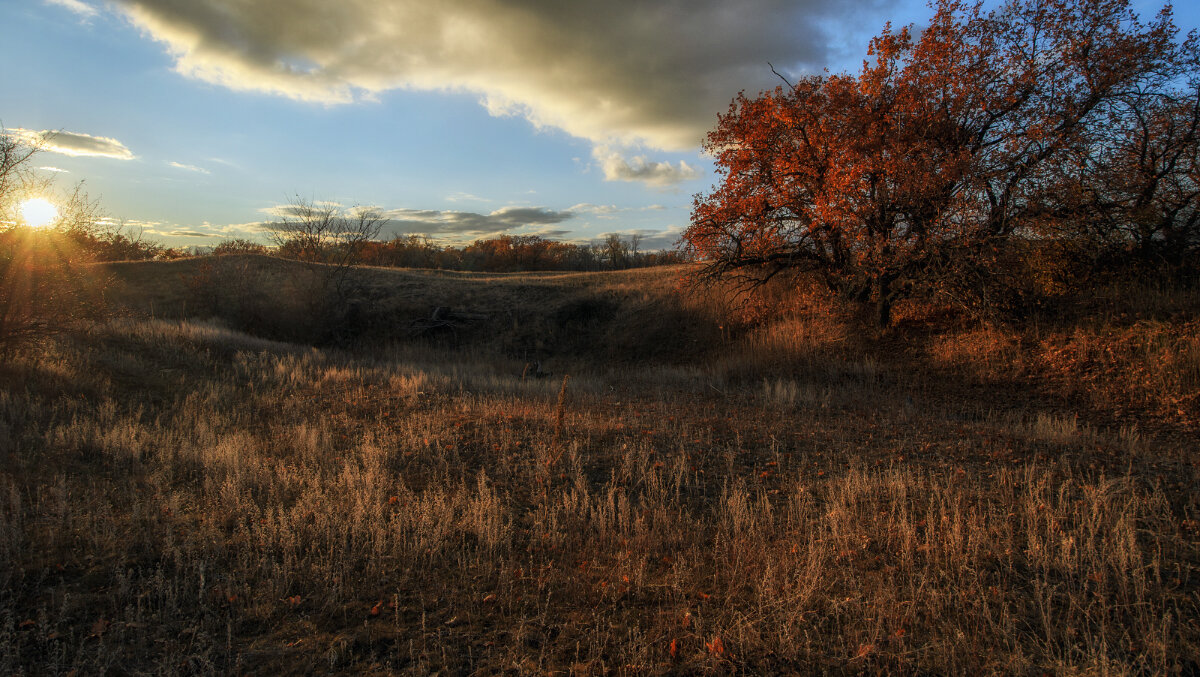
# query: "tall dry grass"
{"type": "Point", "coordinates": [179, 497]}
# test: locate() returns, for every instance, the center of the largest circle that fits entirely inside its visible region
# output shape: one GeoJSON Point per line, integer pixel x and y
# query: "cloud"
{"type": "Point", "coordinates": [661, 239]}
{"type": "Point", "coordinates": [628, 72]}
{"type": "Point", "coordinates": [189, 233]}
{"type": "Point", "coordinates": [73, 143]}
{"type": "Point", "coordinates": [652, 240]}
{"type": "Point", "coordinates": [461, 196]}
{"type": "Point", "coordinates": [135, 228]}
{"type": "Point", "coordinates": [617, 167]}
{"type": "Point", "coordinates": [251, 229]}
{"type": "Point", "coordinates": [222, 161]}
{"type": "Point", "coordinates": [549, 233]}
{"type": "Point", "coordinates": [297, 210]}
{"type": "Point", "coordinates": [190, 168]}
{"type": "Point", "coordinates": [439, 222]}
{"type": "Point", "coordinates": [82, 9]}
{"type": "Point", "coordinates": [602, 211]}
{"type": "Point", "coordinates": [56, 170]}
{"type": "Point", "coordinates": [610, 211]}
{"type": "Point", "coordinates": [457, 223]}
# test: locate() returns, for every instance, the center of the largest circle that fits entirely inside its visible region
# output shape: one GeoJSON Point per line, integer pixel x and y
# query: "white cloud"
{"type": "Point", "coordinates": [617, 167]}
{"type": "Point", "coordinates": [610, 211]}
{"type": "Point", "coordinates": [465, 197]}
{"type": "Point", "coordinates": [190, 168]}
{"type": "Point", "coordinates": [297, 209]}
{"type": "Point", "coordinates": [56, 170]}
{"type": "Point", "coordinates": [598, 210]}
{"type": "Point", "coordinates": [254, 230]}
{"type": "Point", "coordinates": [82, 9]}
{"type": "Point", "coordinates": [73, 143]}
{"type": "Point", "coordinates": [628, 72]}
{"type": "Point", "coordinates": [134, 228]}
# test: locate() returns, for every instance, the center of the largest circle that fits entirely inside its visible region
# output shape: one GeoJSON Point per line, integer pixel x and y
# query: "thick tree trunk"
{"type": "Point", "coordinates": [883, 302]}
{"type": "Point", "coordinates": [883, 312]}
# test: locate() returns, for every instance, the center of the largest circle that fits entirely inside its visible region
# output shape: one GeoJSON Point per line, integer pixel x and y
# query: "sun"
{"type": "Point", "coordinates": [38, 212]}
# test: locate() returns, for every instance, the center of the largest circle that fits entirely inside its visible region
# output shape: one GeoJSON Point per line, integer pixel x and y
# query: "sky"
{"type": "Point", "coordinates": [194, 121]}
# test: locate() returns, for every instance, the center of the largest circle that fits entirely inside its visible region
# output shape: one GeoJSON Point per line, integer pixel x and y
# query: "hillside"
{"type": "Point", "coordinates": [686, 492]}
{"type": "Point", "coordinates": [623, 315]}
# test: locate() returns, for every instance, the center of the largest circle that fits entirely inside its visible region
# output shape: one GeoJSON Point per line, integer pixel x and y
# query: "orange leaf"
{"type": "Point", "coordinates": [715, 646]}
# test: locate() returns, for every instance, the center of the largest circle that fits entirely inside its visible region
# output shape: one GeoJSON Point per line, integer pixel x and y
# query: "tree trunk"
{"type": "Point", "coordinates": [883, 302]}
{"type": "Point", "coordinates": [883, 310]}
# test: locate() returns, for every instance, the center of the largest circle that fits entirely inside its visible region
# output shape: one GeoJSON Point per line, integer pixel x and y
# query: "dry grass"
{"type": "Point", "coordinates": [1146, 367]}
{"type": "Point", "coordinates": [178, 497]}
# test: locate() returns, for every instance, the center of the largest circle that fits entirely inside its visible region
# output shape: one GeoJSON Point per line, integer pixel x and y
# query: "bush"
{"type": "Point", "coordinates": [238, 246]}
{"type": "Point", "coordinates": [46, 285]}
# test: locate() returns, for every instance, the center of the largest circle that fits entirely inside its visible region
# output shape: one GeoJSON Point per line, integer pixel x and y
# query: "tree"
{"type": "Point", "coordinates": [916, 175]}
{"type": "Point", "coordinates": [322, 232]}
{"type": "Point", "coordinates": [238, 245]}
{"type": "Point", "coordinates": [1135, 192]}
{"type": "Point", "coordinates": [334, 239]}
{"type": "Point", "coordinates": [44, 286]}
{"type": "Point", "coordinates": [15, 176]}
{"type": "Point", "coordinates": [616, 250]}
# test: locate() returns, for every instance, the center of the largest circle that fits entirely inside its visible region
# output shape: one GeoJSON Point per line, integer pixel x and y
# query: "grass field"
{"type": "Point", "coordinates": [681, 492]}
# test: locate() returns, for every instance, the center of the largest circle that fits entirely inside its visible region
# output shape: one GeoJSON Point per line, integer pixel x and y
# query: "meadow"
{"type": "Point", "coordinates": [196, 485]}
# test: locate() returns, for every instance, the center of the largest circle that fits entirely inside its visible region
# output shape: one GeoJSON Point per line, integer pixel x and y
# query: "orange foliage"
{"type": "Point", "coordinates": [922, 167]}
{"type": "Point", "coordinates": [715, 646]}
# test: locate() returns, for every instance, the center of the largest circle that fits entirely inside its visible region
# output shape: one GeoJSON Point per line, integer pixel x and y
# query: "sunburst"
{"type": "Point", "coordinates": [38, 212]}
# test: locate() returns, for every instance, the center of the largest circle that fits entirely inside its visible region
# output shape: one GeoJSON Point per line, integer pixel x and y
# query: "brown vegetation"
{"type": "Point", "coordinates": [791, 495]}
{"type": "Point", "coordinates": [257, 465]}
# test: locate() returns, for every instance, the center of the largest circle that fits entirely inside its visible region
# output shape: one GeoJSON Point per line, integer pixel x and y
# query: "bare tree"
{"type": "Point", "coordinates": [322, 232]}
{"type": "Point", "coordinates": [14, 174]}
{"type": "Point", "coordinates": [334, 238]}
{"type": "Point", "coordinates": [615, 250]}
{"type": "Point", "coordinates": [44, 289]}
{"type": "Point", "coordinates": [635, 246]}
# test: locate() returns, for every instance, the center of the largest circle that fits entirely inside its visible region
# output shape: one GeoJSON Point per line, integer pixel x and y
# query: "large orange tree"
{"type": "Point", "coordinates": [917, 173]}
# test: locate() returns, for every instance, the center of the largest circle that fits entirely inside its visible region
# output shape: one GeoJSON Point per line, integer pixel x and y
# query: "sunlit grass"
{"type": "Point", "coordinates": [179, 496]}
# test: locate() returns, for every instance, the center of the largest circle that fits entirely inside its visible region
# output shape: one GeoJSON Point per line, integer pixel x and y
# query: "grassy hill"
{"type": "Point", "coordinates": [184, 491]}
{"type": "Point", "coordinates": [628, 315]}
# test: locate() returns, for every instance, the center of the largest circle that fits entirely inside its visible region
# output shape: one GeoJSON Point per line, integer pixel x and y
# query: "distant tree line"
{"type": "Point", "coordinates": [503, 254]}
{"type": "Point", "coordinates": [512, 253]}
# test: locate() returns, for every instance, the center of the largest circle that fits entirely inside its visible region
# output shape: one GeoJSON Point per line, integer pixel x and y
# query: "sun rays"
{"type": "Point", "coordinates": [38, 212]}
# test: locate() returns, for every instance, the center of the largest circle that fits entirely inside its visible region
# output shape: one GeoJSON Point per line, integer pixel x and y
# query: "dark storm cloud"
{"type": "Point", "coordinates": [624, 73]}
{"type": "Point", "coordinates": [434, 222]}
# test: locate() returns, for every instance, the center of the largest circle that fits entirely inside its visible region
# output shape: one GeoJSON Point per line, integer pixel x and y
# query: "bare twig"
{"type": "Point", "coordinates": [780, 76]}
